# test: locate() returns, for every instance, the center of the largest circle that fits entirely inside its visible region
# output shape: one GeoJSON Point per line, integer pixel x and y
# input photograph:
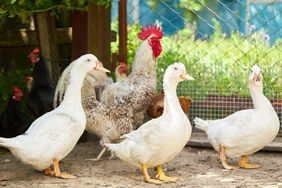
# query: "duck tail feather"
{"type": "Point", "coordinates": [201, 124]}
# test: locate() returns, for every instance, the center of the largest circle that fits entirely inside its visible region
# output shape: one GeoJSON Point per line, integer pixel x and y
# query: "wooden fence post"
{"type": "Point", "coordinates": [47, 42]}
{"type": "Point", "coordinates": [99, 33]}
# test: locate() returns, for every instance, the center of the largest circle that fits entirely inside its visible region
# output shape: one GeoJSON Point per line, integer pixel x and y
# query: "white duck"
{"type": "Point", "coordinates": [245, 131]}
{"type": "Point", "coordinates": [52, 136]}
{"type": "Point", "coordinates": [159, 140]}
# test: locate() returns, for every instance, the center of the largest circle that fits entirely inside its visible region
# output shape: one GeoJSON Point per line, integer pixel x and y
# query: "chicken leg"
{"type": "Point", "coordinates": [147, 177]}
{"type": "Point", "coordinates": [60, 174]}
{"type": "Point", "coordinates": [100, 155]}
{"type": "Point", "coordinates": [243, 163]}
{"type": "Point", "coordinates": [223, 158]}
{"type": "Point", "coordinates": [163, 177]}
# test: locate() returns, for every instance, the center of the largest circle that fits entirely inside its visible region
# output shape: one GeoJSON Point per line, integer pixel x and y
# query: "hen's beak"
{"type": "Point", "coordinates": [99, 68]}
{"type": "Point", "coordinates": [186, 76]}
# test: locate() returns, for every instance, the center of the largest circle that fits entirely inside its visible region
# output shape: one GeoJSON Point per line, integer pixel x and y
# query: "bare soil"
{"type": "Point", "coordinates": [196, 167]}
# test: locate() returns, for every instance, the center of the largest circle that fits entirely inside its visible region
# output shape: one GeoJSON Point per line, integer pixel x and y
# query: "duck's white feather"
{"type": "Point", "coordinates": [54, 135]}
{"type": "Point", "coordinates": [245, 131]}
{"type": "Point", "coordinates": [158, 140]}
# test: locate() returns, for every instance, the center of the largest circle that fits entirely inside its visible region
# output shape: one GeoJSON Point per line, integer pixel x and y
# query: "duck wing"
{"type": "Point", "coordinates": [52, 126]}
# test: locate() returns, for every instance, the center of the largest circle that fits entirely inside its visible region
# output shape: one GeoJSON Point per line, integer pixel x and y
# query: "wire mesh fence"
{"type": "Point", "coordinates": [218, 41]}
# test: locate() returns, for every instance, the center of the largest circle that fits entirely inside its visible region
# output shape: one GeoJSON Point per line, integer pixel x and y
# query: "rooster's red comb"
{"type": "Point", "coordinates": [26, 79]}
{"type": "Point", "coordinates": [157, 32]}
{"type": "Point", "coordinates": [35, 50]}
{"type": "Point", "coordinates": [16, 89]}
{"type": "Point", "coordinates": [123, 64]}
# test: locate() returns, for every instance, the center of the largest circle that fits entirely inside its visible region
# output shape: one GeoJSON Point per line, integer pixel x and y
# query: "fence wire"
{"type": "Point", "coordinates": [218, 41]}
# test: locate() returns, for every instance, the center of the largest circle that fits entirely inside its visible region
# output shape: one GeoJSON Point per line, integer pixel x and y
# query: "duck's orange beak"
{"type": "Point", "coordinates": [186, 76]}
{"type": "Point", "coordinates": [257, 78]}
{"type": "Point", "coordinates": [99, 68]}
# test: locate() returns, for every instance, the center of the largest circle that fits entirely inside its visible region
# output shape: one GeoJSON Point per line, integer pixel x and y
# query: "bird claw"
{"type": "Point", "coordinates": [249, 165]}
{"type": "Point", "coordinates": [163, 177]}
{"type": "Point", "coordinates": [65, 175]}
{"type": "Point", "coordinates": [94, 159]}
{"type": "Point", "coordinates": [150, 180]}
{"type": "Point", "coordinates": [229, 167]}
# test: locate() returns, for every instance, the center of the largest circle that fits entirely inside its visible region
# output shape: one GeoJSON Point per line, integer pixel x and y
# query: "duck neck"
{"type": "Point", "coordinates": [73, 91]}
{"type": "Point", "coordinates": [259, 100]}
{"type": "Point", "coordinates": [170, 96]}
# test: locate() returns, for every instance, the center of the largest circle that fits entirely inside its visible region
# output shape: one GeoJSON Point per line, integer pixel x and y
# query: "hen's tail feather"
{"type": "Point", "coordinates": [93, 78]}
{"type": "Point", "coordinates": [111, 147]}
{"type": "Point", "coordinates": [61, 86]}
{"type": "Point", "coordinates": [201, 124]}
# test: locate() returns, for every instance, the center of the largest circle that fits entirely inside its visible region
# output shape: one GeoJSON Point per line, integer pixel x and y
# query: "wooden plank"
{"type": "Point", "coordinates": [99, 33]}
{"type": "Point", "coordinates": [231, 103]}
{"type": "Point", "coordinates": [122, 31]}
{"type": "Point", "coordinates": [200, 140]}
{"type": "Point", "coordinates": [29, 38]}
{"type": "Point", "coordinates": [80, 43]}
{"type": "Point", "coordinates": [45, 24]}
{"type": "Point", "coordinates": [80, 34]}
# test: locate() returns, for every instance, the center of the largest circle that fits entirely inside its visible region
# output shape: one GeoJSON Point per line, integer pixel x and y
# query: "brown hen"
{"type": "Point", "coordinates": [156, 108]}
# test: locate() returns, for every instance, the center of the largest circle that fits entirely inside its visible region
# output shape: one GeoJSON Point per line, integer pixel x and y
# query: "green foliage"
{"type": "Point", "coordinates": [189, 8]}
{"type": "Point", "coordinates": [221, 65]}
{"type": "Point", "coordinates": [132, 43]}
{"type": "Point", "coordinates": [26, 8]}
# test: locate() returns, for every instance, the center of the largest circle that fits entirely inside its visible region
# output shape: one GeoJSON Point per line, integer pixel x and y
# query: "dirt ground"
{"type": "Point", "coordinates": [196, 167]}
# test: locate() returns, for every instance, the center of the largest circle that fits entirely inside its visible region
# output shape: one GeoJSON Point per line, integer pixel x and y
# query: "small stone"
{"type": "Point", "coordinates": [170, 168]}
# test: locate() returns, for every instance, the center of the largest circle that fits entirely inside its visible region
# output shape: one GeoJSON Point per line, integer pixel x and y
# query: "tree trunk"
{"type": "Point", "coordinates": [47, 42]}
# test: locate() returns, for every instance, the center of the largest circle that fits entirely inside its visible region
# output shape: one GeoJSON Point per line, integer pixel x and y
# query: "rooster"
{"type": "Point", "coordinates": [139, 87]}
{"type": "Point", "coordinates": [13, 121]}
{"type": "Point", "coordinates": [40, 99]}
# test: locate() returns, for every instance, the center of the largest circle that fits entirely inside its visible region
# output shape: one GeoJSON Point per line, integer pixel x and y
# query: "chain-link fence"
{"type": "Point", "coordinates": [219, 41]}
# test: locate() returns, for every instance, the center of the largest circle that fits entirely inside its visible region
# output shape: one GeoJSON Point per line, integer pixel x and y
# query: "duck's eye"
{"type": "Point", "coordinates": [88, 60]}
{"type": "Point", "coordinates": [175, 68]}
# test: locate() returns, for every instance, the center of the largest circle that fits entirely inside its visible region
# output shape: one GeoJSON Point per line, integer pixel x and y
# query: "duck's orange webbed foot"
{"type": "Point", "coordinates": [243, 163]}
{"type": "Point", "coordinates": [147, 177]}
{"type": "Point", "coordinates": [161, 176]}
{"type": "Point", "coordinates": [60, 174]}
{"type": "Point", "coordinates": [223, 158]}
{"type": "Point", "coordinates": [49, 171]}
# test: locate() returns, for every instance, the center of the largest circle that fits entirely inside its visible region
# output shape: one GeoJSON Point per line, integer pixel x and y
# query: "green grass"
{"type": "Point", "coordinates": [221, 64]}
